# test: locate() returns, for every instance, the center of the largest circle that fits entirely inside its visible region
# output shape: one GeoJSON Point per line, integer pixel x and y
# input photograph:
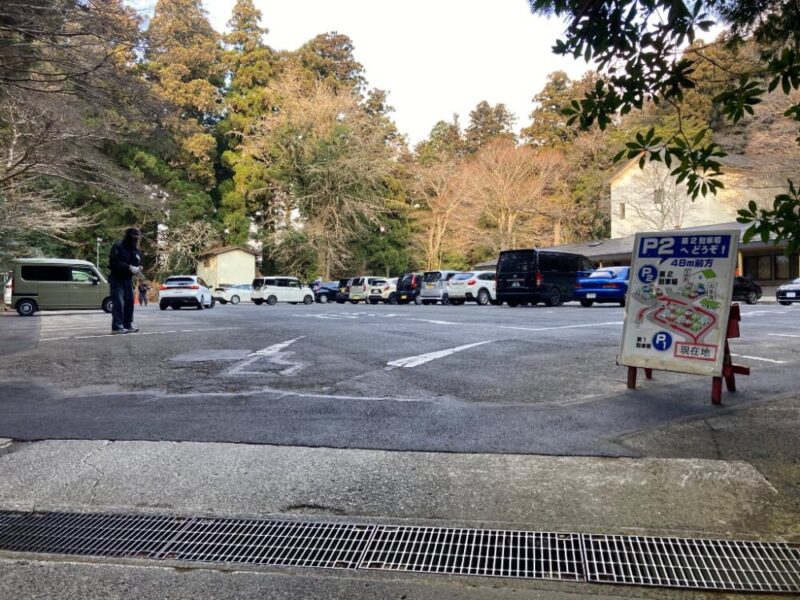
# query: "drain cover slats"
{"type": "Point", "coordinates": [692, 563]}
{"type": "Point", "coordinates": [491, 553]}
{"type": "Point", "coordinates": [278, 543]}
{"type": "Point", "coordinates": [705, 564]}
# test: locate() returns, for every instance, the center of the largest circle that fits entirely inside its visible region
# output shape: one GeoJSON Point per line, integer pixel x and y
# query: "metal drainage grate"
{"type": "Point", "coordinates": [693, 563]}
{"type": "Point", "coordinates": [279, 543]}
{"type": "Point", "coordinates": [88, 534]}
{"type": "Point", "coordinates": [492, 553]}
{"type": "Point", "coordinates": [325, 545]}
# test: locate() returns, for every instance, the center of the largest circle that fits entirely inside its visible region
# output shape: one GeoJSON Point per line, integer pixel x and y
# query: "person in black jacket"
{"type": "Point", "coordinates": [124, 261]}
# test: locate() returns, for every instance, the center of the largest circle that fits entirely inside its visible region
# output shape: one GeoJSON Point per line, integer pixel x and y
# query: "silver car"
{"type": "Point", "coordinates": [434, 286]}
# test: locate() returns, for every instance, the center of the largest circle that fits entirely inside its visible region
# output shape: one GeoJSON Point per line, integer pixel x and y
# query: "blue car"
{"type": "Point", "coordinates": [609, 284]}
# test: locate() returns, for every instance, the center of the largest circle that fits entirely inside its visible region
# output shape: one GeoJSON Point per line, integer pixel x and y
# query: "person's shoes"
{"type": "Point", "coordinates": [117, 331]}
{"type": "Point", "coordinates": [133, 328]}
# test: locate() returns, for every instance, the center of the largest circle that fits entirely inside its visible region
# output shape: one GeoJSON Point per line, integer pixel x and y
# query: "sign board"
{"type": "Point", "coordinates": [679, 298]}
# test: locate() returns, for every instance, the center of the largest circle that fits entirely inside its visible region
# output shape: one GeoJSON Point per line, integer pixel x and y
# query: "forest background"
{"type": "Point", "coordinates": [205, 138]}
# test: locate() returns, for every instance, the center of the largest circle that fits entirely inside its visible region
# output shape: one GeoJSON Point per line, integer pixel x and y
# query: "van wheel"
{"type": "Point", "coordinates": [445, 299]}
{"type": "Point", "coordinates": [587, 303]}
{"type": "Point", "coordinates": [258, 301]}
{"type": "Point", "coordinates": [308, 299]}
{"type": "Point", "coordinates": [553, 298]}
{"type": "Point", "coordinates": [235, 299]}
{"type": "Point", "coordinates": [392, 299]}
{"type": "Point", "coordinates": [418, 301]}
{"type": "Point", "coordinates": [323, 299]}
{"type": "Point", "coordinates": [272, 300]}
{"type": "Point", "coordinates": [107, 305]}
{"type": "Point", "coordinates": [496, 303]}
{"type": "Point", "coordinates": [513, 303]}
{"type": "Point", "coordinates": [483, 297]}
{"type": "Point", "coordinates": [26, 308]}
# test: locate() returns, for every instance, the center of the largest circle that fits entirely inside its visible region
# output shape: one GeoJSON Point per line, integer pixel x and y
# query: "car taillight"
{"type": "Point", "coordinates": [472, 282]}
{"type": "Point", "coordinates": [194, 287]}
{"type": "Point", "coordinates": [365, 287]}
{"type": "Point", "coordinates": [577, 284]}
{"type": "Point", "coordinates": [538, 279]}
{"type": "Point", "coordinates": [163, 287]}
{"type": "Point", "coordinates": [611, 286]}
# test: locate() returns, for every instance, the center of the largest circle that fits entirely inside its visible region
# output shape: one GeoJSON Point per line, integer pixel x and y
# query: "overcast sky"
{"type": "Point", "coordinates": [434, 57]}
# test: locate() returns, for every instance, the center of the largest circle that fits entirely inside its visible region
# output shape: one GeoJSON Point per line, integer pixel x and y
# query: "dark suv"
{"type": "Point", "coordinates": [747, 290]}
{"type": "Point", "coordinates": [539, 276]}
{"type": "Point", "coordinates": [408, 288]}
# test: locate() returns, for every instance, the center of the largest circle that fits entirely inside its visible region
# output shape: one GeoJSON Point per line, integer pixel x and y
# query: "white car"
{"type": "Point", "coordinates": [185, 290]}
{"type": "Point", "coordinates": [383, 290]}
{"type": "Point", "coordinates": [234, 294]}
{"type": "Point", "coordinates": [477, 286]}
{"type": "Point", "coordinates": [275, 289]}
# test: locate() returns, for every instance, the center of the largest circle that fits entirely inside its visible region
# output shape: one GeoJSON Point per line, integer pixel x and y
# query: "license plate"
{"type": "Point", "coordinates": [791, 294]}
{"type": "Point", "coordinates": [403, 297]}
{"type": "Point", "coordinates": [429, 286]}
{"type": "Point", "coordinates": [591, 295]}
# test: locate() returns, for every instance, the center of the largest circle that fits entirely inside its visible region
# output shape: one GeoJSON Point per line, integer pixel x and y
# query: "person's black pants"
{"type": "Point", "coordinates": [122, 302]}
{"type": "Point", "coordinates": [142, 299]}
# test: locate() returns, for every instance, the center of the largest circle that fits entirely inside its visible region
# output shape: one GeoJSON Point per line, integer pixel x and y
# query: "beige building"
{"type": "Point", "coordinates": [230, 264]}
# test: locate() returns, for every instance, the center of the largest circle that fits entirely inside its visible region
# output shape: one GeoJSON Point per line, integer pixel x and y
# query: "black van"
{"type": "Point", "coordinates": [409, 286]}
{"type": "Point", "coordinates": [539, 276]}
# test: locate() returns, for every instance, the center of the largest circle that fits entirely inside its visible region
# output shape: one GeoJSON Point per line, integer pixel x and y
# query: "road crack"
{"type": "Point", "coordinates": [100, 474]}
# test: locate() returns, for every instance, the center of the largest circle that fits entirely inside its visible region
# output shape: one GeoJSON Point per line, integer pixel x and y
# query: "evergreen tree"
{"type": "Point", "coordinates": [487, 123]}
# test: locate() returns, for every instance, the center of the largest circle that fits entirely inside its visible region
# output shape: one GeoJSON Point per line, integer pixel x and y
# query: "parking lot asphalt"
{"type": "Point", "coordinates": [435, 378]}
{"type": "Point", "coordinates": [431, 415]}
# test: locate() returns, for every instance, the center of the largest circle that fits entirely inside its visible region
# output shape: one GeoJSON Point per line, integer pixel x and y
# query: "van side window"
{"type": "Point", "coordinates": [547, 262]}
{"type": "Point", "coordinates": [269, 282]}
{"type": "Point", "coordinates": [45, 273]}
{"type": "Point", "coordinates": [487, 277]}
{"type": "Point", "coordinates": [586, 264]}
{"type": "Point", "coordinates": [83, 275]}
{"type": "Point", "coordinates": [293, 283]}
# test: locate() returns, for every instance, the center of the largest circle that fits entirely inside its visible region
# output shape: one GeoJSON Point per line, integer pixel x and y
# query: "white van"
{"type": "Point", "coordinates": [434, 286]}
{"type": "Point", "coordinates": [278, 288]}
{"type": "Point", "coordinates": [360, 287]}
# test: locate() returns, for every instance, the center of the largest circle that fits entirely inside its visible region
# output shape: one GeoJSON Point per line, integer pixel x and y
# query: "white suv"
{"type": "Point", "coordinates": [478, 286]}
{"type": "Point", "coordinates": [185, 290]}
{"type": "Point", "coordinates": [383, 290]}
{"type": "Point", "coordinates": [280, 289]}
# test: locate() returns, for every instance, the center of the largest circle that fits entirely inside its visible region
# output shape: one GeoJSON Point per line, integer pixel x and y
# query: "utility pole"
{"type": "Point", "coordinates": [97, 263]}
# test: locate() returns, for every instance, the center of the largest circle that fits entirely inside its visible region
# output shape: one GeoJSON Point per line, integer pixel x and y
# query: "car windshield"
{"type": "Point", "coordinates": [462, 276]}
{"type": "Point", "coordinates": [179, 281]}
{"type": "Point", "coordinates": [378, 282]}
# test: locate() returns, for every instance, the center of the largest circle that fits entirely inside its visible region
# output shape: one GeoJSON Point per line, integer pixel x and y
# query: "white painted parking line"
{"type": "Point", "coordinates": [769, 360]}
{"type": "Point", "coordinates": [272, 354]}
{"type": "Point", "coordinates": [436, 322]}
{"type": "Point", "coordinates": [559, 327]}
{"type": "Point", "coordinates": [791, 335]}
{"type": "Point", "coordinates": [140, 333]}
{"type": "Point", "coordinates": [420, 359]}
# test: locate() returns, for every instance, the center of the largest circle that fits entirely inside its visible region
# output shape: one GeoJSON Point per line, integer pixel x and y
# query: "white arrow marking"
{"type": "Point", "coordinates": [273, 354]}
{"type": "Point", "coordinates": [415, 361]}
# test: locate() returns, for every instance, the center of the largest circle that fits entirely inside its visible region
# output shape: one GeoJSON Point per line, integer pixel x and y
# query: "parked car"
{"type": "Point", "coordinates": [233, 293]}
{"type": "Point", "coordinates": [408, 288]}
{"type": "Point", "coordinates": [281, 289]}
{"type": "Point", "coordinates": [185, 290]}
{"type": "Point", "coordinates": [57, 284]}
{"type": "Point", "coordinates": [383, 290]}
{"type": "Point", "coordinates": [608, 284]}
{"type": "Point", "coordinates": [343, 295]}
{"type": "Point", "coordinates": [539, 276]}
{"type": "Point", "coordinates": [746, 289]}
{"type": "Point", "coordinates": [788, 292]}
{"type": "Point", "coordinates": [434, 286]}
{"type": "Point", "coordinates": [477, 286]}
{"type": "Point", "coordinates": [326, 292]}
{"type": "Point", "coordinates": [359, 288]}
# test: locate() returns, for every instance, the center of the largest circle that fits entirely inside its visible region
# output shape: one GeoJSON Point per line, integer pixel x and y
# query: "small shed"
{"type": "Point", "coordinates": [228, 264]}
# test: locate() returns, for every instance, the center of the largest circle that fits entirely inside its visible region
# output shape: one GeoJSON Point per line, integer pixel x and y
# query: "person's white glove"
{"type": "Point", "coordinates": [135, 270]}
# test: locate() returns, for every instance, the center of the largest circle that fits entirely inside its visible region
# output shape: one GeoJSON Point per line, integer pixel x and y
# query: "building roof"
{"type": "Point", "coordinates": [622, 248]}
{"type": "Point", "coordinates": [224, 249]}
